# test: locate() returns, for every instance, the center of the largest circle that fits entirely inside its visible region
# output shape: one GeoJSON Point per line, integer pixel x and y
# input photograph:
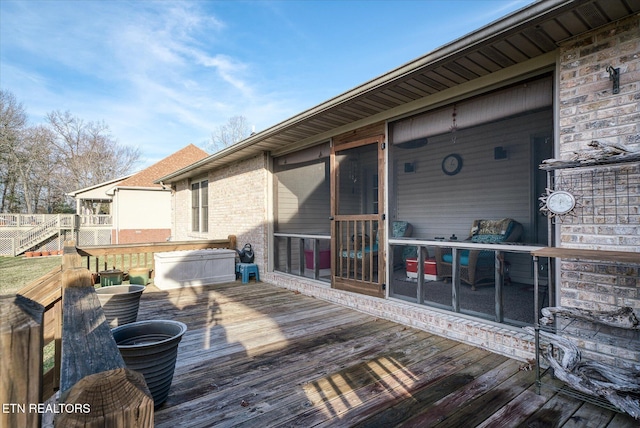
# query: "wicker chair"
{"type": "Point", "coordinates": [401, 229]}
{"type": "Point", "coordinates": [478, 266]}
{"type": "Point", "coordinates": [360, 260]}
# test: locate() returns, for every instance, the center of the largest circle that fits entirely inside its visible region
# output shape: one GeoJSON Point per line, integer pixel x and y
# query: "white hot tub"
{"type": "Point", "coordinates": [179, 269]}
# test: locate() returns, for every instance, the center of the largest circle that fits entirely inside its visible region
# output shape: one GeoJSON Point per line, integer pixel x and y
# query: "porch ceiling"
{"type": "Point", "coordinates": [524, 35]}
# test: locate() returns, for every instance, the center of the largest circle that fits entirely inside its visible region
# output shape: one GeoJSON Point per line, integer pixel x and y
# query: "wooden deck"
{"type": "Point", "coordinates": [257, 355]}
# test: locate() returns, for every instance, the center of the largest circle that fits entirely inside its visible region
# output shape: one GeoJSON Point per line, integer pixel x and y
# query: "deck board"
{"type": "Point", "coordinates": [259, 355]}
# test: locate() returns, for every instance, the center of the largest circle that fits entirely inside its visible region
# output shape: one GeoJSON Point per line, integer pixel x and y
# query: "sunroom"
{"type": "Point", "coordinates": [468, 162]}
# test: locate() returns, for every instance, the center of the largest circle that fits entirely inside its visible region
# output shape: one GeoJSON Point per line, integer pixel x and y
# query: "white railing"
{"type": "Point", "coordinates": [92, 220]}
{"type": "Point", "coordinates": [8, 220]}
{"type": "Point", "coordinates": [40, 228]}
{"type": "Point", "coordinates": [66, 220]}
{"type": "Point", "coordinates": [32, 220]}
{"type": "Point", "coordinates": [38, 234]}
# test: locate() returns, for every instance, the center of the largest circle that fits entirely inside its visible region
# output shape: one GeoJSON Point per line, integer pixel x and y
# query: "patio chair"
{"type": "Point", "coordinates": [363, 254]}
{"type": "Point", "coordinates": [358, 259]}
{"type": "Point", "coordinates": [401, 229]}
{"type": "Point", "coordinates": [478, 266]}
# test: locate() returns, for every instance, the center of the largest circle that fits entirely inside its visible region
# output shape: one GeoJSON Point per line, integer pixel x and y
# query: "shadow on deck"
{"type": "Point", "coordinates": [257, 355]}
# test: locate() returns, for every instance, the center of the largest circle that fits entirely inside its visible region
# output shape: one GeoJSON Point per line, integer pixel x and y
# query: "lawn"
{"type": "Point", "coordinates": [16, 272]}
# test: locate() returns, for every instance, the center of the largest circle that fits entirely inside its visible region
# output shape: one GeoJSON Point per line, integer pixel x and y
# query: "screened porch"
{"type": "Point", "coordinates": [447, 169]}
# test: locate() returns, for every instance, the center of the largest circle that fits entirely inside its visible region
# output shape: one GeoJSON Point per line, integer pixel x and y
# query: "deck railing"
{"type": "Point", "coordinates": [31, 220]}
{"type": "Point", "coordinates": [32, 230]}
{"type": "Point", "coordinates": [101, 389]}
{"type": "Point", "coordinates": [127, 256]}
{"type": "Point", "coordinates": [36, 313]}
{"type": "Point", "coordinates": [95, 220]}
{"type": "Point", "coordinates": [47, 291]}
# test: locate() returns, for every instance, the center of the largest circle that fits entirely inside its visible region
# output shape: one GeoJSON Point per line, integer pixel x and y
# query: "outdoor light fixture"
{"type": "Point", "coordinates": [500, 153]}
{"type": "Point", "coordinates": [409, 167]}
{"type": "Point", "coordinates": [614, 74]}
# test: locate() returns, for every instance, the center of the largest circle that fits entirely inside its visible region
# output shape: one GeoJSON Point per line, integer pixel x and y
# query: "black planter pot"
{"type": "Point", "coordinates": [151, 348]}
{"type": "Point", "coordinates": [120, 303]}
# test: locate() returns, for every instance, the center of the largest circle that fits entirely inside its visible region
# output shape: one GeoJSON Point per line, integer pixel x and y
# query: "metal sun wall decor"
{"type": "Point", "coordinates": [558, 203]}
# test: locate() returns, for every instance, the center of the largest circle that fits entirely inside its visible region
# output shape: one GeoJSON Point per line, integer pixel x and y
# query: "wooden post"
{"type": "Point", "coordinates": [128, 403]}
{"type": "Point", "coordinates": [100, 389]}
{"type": "Point", "coordinates": [57, 310]}
{"type": "Point", "coordinates": [20, 361]}
{"type": "Point", "coordinates": [70, 256]}
{"type": "Point", "coordinates": [233, 244]}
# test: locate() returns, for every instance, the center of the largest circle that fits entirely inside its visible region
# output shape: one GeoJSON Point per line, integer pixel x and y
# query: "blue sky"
{"type": "Point", "coordinates": [164, 74]}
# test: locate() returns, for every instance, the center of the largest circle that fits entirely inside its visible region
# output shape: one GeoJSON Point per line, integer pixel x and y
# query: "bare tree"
{"type": "Point", "coordinates": [235, 130]}
{"type": "Point", "coordinates": [39, 164]}
{"type": "Point", "coordinates": [34, 162]}
{"type": "Point", "coordinates": [89, 152]}
{"type": "Point", "coordinates": [13, 120]}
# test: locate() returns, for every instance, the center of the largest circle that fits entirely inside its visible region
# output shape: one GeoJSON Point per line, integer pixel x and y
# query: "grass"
{"type": "Point", "coordinates": [16, 272]}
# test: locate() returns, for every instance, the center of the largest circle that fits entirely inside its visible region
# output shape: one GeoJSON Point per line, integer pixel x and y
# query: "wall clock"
{"type": "Point", "coordinates": [452, 164]}
{"type": "Point", "coordinates": [557, 203]}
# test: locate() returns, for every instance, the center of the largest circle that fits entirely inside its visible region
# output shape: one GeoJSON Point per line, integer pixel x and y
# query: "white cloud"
{"type": "Point", "coordinates": [152, 70]}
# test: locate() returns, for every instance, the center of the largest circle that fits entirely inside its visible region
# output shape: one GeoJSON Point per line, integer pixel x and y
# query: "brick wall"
{"type": "Point", "coordinates": [181, 211]}
{"type": "Point", "coordinates": [137, 236]}
{"type": "Point", "coordinates": [588, 108]}
{"type": "Point", "coordinates": [242, 189]}
{"type": "Point", "coordinates": [237, 206]}
{"type": "Point", "coordinates": [609, 197]}
{"type": "Point", "coordinates": [505, 341]}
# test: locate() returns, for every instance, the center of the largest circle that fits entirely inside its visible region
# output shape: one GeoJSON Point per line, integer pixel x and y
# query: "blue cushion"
{"type": "Point", "coordinates": [464, 258]}
{"type": "Point", "coordinates": [484, 259]}
{"type": "Point", "coordinates": [352, 254]}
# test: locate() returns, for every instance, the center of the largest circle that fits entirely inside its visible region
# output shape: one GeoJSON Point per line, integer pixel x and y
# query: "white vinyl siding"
{"type": "Point", "coordinates": [437, 204]}
{"type": "Point", "coordinates": [440, 205]}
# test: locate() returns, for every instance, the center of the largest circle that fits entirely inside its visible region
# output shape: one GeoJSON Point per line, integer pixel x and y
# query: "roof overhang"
{"type": "Point", "coordinates": [523, 42]}
{"type": "Point", "coordinates": [104, 184]}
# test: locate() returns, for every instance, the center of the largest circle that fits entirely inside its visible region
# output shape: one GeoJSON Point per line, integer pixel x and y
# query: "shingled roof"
{"type": "Point", "coordinates": [176, 161]}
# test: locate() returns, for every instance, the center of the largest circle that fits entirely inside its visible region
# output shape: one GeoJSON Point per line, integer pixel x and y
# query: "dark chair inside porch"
{"type": "Point", "coordinates": [477, 266]}
{"type": "Point", "coordinates": [364, 252]}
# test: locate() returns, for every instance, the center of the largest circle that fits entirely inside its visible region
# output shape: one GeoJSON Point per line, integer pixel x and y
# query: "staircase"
{"type": "Point", "coordinates": [43, 231]}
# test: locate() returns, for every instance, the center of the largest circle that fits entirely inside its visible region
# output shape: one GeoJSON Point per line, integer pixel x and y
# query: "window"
{"type": "Point", "coordinates": [200, 206]}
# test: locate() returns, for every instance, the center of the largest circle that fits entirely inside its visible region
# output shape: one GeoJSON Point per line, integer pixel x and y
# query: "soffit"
{"type": "Point", "coordinates": [521, 36]}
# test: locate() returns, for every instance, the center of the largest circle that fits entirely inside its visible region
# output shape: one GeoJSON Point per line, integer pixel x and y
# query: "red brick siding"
{"type": "Point", "coordinates": [139, 236]}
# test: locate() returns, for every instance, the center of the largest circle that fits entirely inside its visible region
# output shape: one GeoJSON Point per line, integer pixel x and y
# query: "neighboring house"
{"type": "Point", "coordinates": [133, 208]}
{"type": "Point", "coordinates": [452, 137]}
